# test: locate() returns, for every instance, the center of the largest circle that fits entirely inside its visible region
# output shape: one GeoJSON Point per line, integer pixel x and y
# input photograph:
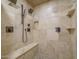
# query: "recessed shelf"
{"type": "Point", "coordinates": [58, 29]}
{"type": "Point", "coordinates": [9, 29]}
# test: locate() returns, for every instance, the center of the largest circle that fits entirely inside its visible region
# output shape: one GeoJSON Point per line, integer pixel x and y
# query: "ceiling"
{"type": "Point", "coordinates": [13, 1]}
{"type": "Point", "coordinates": [34, 3]}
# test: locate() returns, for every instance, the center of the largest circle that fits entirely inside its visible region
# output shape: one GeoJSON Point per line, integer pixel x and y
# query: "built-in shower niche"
{"type": "Point", "coordinates": [58, 29]}
{"type": "Point", "coordinates": [71, 30]}
{"type": "Point", "coordinates": [9, 29]}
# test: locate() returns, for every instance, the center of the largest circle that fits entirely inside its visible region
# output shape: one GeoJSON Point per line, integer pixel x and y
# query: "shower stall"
{"type": "Point", "coordinates": [47, 33]}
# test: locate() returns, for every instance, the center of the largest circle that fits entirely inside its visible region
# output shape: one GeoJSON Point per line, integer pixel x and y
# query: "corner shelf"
{"type": "Point", "coordinates": [71, 30]}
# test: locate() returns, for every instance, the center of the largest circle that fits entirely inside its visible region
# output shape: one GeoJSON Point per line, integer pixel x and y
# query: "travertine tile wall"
{"type": "Point", "coordinates": [53, 45]}
{"type": "Point", "coordinates": [74, 34]}
{"type": "Point", "coordinates": [12, 17]}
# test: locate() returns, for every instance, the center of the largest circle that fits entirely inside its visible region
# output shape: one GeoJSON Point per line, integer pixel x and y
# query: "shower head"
{"type": "Point", "coordinates": [13, 1]}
